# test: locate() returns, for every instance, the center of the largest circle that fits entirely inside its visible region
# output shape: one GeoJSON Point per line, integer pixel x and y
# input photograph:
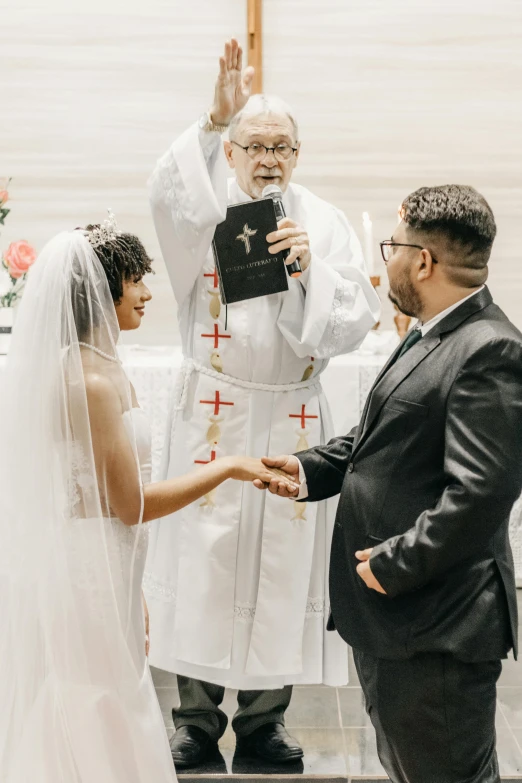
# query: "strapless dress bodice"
{"type": "Point", "coordinates": [138, 426]}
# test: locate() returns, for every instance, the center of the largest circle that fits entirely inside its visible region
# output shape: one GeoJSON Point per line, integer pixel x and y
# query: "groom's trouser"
{"type": "Point", "coordinates": [434, 717]}
{"type": "Point", "coordinates": [199, 706]}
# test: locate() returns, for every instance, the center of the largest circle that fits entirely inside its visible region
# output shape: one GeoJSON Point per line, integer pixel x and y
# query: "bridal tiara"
{"type": "Point", "coordinates": [106, 232]}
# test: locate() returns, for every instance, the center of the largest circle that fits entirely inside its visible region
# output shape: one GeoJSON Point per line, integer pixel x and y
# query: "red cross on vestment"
{"type": "Point", "coordinates": [301, 416]}
{"type": "Point", "coordinates": [206, 461]}
{"type": "Point", "coordinates": [216, 336]}
{"type": "Point", "coordinates": [217, 402]}
{"type": "Point", "coordinates": [213, 274]}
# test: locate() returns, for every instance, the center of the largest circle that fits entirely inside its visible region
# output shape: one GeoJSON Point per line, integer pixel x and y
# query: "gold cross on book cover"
{"type": "Point", "coordinates": [245, 267]}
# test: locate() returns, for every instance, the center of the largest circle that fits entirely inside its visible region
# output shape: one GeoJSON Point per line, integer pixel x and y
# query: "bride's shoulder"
{"type": "Point", "coordinates": [101, 391]}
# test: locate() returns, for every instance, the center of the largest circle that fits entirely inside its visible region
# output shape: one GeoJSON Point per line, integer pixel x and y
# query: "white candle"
{"type": "Point", "coordinates": [368, 243]}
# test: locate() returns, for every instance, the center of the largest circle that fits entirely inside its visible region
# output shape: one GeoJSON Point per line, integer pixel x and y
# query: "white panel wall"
{"type": "Point", "coordinates": [390, 96]}
{"type": "Point", "coordinates": [91, 94]}
{"type": "Point", "coordinates": [396, 95]}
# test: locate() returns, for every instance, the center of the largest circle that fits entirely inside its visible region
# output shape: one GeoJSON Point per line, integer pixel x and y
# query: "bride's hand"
{"type": "Point", "coordinates": [253, 469]}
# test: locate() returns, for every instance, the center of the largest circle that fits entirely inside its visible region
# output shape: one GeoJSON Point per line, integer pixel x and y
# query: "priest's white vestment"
{"type": "Point", "coordinates": [237, 583]}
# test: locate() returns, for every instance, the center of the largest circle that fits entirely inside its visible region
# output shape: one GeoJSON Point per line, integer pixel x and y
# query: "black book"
{"type": "Point", "coordinates": [245, 267]}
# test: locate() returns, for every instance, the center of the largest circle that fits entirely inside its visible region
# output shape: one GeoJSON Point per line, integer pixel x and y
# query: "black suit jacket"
{"type": "Point", "coordinates": [428, 479]}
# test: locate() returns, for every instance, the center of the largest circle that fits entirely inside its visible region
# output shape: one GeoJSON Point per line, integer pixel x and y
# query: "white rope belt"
{"type": "Point", "coordinates": [189, 366]}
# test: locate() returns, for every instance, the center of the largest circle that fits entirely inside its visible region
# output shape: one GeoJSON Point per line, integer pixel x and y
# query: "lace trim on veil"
{"type": "Point", "coordinates": [81, 480]}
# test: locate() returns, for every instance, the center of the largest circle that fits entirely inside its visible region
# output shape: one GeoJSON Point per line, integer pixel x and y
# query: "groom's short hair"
{"type": "Point", "coordinates": [458, 219]}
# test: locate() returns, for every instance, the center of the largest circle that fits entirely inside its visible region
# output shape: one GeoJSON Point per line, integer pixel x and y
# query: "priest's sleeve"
{"type": "Point", "coordinates": [188, 193]}
{"type": "Point", "coordinates": [335, 305]}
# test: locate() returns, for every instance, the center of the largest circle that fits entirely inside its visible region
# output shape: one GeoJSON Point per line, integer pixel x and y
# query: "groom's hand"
{"type": "Point", "coordinates": [365, 572]}
{"type": "Point", "coordinates": [287, 463]}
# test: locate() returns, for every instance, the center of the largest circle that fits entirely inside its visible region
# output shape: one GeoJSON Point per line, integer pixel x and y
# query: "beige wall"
{"type": "Point", "coordinates": [390, 96]}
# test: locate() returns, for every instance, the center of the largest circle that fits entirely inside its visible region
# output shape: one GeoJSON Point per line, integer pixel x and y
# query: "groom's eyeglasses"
{"type": "Point", "coordinates": [386, 249]}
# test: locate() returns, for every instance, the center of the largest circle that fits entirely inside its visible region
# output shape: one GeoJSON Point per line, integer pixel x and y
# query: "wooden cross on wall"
{"type": "Point", "coordinates": [255, 41]}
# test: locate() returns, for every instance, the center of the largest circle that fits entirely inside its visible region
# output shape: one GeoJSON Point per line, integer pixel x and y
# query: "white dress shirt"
{"type": "Point", "coordinates": [425, 328]}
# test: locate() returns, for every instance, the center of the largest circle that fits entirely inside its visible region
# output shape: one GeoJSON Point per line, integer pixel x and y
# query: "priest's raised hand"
{"type": "Point", "coordinates": [233, 87]}
{"type": "Point", "coordinates": [286, 481]}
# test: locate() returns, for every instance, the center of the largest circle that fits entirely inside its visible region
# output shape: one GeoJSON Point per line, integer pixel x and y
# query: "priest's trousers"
{"type": "Point", "coordinates": [200, 706]}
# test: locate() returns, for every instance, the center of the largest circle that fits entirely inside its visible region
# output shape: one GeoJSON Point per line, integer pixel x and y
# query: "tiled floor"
{"type": "Point", "coordinates": [336, 734]}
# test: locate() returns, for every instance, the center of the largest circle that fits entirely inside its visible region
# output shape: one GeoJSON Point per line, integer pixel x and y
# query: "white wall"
{"type": "Point", "coordinates": [396, 95]}
{"type": "Point", "coordinates": [94, 92]}
{"type": "Point", "coordinates": [390, 96]}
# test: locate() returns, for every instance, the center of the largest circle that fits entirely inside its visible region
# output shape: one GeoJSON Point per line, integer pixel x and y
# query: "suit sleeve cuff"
{"type": "Point", "coordinates": [303, 487]}
{"type": "Point", "coordinates": [387, 569]}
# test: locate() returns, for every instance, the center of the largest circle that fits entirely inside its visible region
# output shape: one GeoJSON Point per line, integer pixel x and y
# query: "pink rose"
{"type": "Point", "coordinates": [19, 256]}
{"type": "Point", "coordinates": [4, 197]}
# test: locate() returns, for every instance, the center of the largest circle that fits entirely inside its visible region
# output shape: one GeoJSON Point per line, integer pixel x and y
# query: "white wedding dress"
{"type": "Point", "coordinates": [125, 725]}
{"type": "Point", "coordinates": [128, 570]}
{"type": "Point", "coordinates": [138, 746]}
{"type": "Point", "coordinates": [77, 699]}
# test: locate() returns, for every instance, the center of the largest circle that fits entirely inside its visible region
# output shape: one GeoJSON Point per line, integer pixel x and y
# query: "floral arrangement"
{"type": "Point", "coordinates": [16, 260]}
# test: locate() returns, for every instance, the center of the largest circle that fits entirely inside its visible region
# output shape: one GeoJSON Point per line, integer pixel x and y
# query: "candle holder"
{"type": "Point", "coordinates": [402, 322]}
{"type": "Point", "coordinates": [375, 281]}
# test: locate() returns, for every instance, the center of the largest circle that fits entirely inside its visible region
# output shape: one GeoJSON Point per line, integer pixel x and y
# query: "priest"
{"type": "Point", "coordinates": [236, 584]}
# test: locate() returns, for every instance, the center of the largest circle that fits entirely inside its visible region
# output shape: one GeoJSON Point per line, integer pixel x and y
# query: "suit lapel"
{"type": "Point", "coordinates": [383, 371]}
{"type": "Point", "coordinates": [395, 371]}
{"type": "Point", "coordinates": [390, 378]}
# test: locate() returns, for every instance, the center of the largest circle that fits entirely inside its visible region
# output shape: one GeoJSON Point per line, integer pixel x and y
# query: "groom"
{"type": "Point", "coordinates": [421, 577]}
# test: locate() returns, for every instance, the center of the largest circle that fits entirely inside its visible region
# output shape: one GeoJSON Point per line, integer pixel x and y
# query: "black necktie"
{"type": "Point", "coordinates": [413, 337]}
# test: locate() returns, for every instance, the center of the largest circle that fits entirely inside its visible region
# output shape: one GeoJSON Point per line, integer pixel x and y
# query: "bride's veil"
{"type": "Point", "coordinates": [76, 700]}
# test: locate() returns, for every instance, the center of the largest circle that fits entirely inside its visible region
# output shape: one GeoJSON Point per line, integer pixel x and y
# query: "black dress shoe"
{"type": "Point", "coordinates": [270, 742]}
{"type": "Point", "coordinates": [191, 746]}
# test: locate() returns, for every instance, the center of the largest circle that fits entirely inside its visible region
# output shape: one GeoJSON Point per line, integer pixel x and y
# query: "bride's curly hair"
{"type": "Point", "coordinates": [122, 258]}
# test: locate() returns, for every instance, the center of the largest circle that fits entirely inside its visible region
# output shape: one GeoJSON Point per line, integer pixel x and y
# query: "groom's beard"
{"type": "Point", "coordinates": [405, 297]}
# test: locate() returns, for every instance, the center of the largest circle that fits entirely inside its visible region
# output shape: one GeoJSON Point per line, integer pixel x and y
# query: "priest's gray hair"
{"type": "Point", "coordinates": [263, 104]}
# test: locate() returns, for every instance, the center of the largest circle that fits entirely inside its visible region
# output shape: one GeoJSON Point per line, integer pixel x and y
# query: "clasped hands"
{"type": "Point", "coordinates": [283, 483]}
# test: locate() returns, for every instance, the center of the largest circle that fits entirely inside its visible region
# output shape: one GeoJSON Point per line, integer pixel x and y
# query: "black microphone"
{"type": "Point", "coordinates": [276, 194]}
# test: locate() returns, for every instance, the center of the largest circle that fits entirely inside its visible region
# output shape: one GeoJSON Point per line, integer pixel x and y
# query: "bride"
{"type": "Point", "coordinates": [77, 700]}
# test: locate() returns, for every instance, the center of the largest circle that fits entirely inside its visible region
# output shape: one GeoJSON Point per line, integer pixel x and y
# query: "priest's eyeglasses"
{"type": "Point", "coordinates": [386, 249]}
{"type": "Point", "coordinates": [258, 151]}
